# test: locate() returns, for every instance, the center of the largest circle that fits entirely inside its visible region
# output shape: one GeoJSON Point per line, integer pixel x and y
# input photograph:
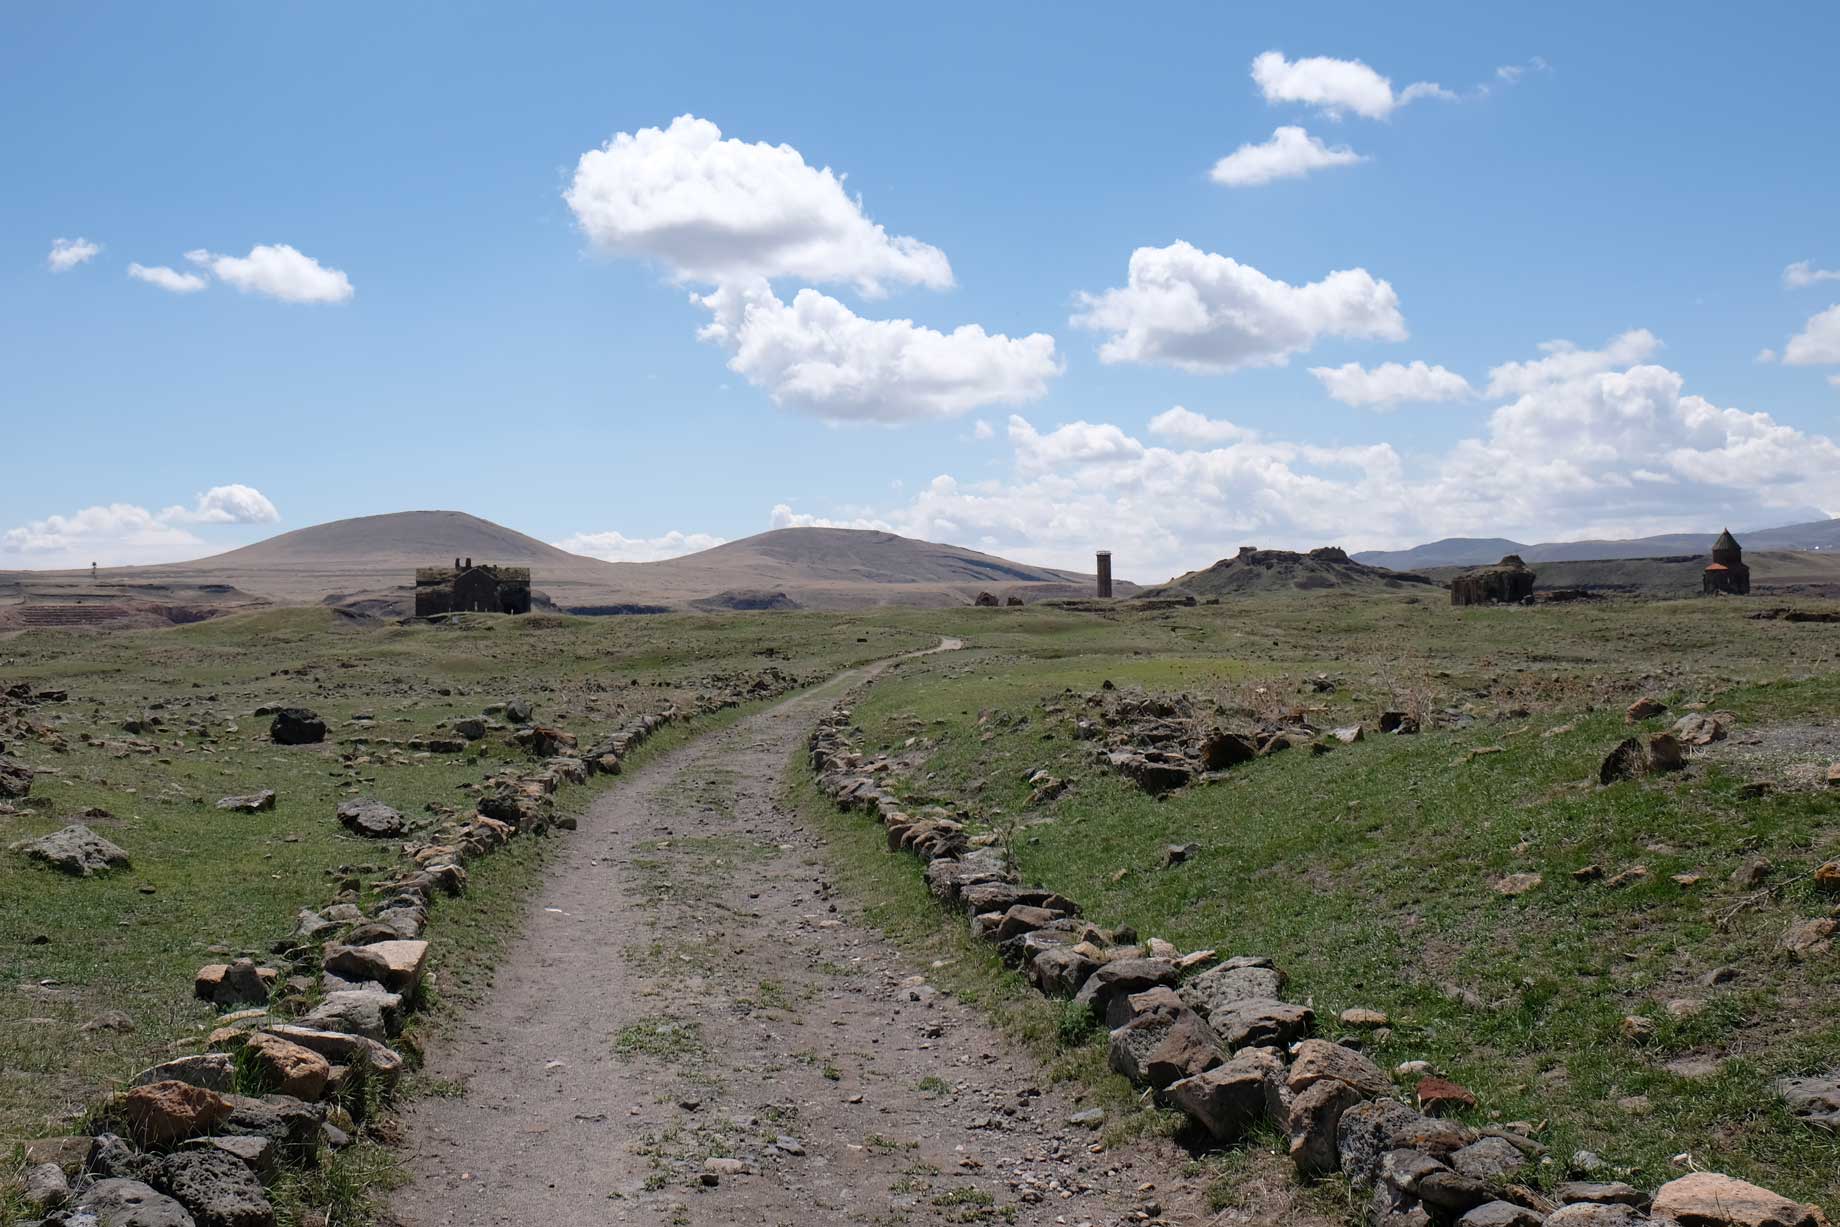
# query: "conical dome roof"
{"type": "Point", "coordinates": [1725, 542]}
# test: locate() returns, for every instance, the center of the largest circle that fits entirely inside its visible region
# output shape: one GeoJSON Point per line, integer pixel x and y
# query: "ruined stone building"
{"type": "Point", "coordinates": [465, 587]}
{"type": "Point", "coordinates": [1727, 573]}
{"type": "Point", "coordinates": [1508, 582]}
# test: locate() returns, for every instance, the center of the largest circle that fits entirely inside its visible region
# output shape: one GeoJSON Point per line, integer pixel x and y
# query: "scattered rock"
{"type": "Point", "coordinates": [1594, 1214]}
{"type": "Point", "coordinates": [1643, 709]}
{"type": "Point", "coordinates": [1613, 1192]}
{"type": "Point", "coordinates": [370, 818]}
{"type": "Point", "coordinates": [254, 803]}
{"type": "Point", "coordinates": [296, 726]}
{"type": "Point", "coordinates": [217, 1187]}
{"type": "Point", "coordinates": [1516, 884]}
{"type": "Point", "coordinates": [15, 779]}
{"type": "Point", "coordinates": [1359, 1017]}
{"type": "Point", "coordinates": [1699, 729]}
{"type": "Point", "coordinates": [1089, 1118]}
{"type": "Point", "coordinates": [1501, 1214]}
{"type": "Point", "coordinates": [1488, 1158]}
{"type": "Point", "coordinates": [1177, 854]}
{"type": "Point", "coordinates": [1808, 939]}
{"type": "Point", "coordinates": [396, 965]}
{"type": "Point", "coordinates": [470, 727]}
{"type": "Point", "coordinates": [1230, 1098]}
{"type": "Point", "coordinates": [1751, 873]}
{"type": "Point", "coordinates": [1827, 877]}
{"type": "Point", "coordinates": [1814, 1099]}
{"type": "Point", "coordinates": [287, 1067]}
{"type": "Point", "coordinates": [45, 1187]}
{"type": "Point", "coordinates": [1440, 1096]}
{"type": "Point", "coordinates": [75, 850]}
{"type": "Point", "coordinates": [1708, 1199]}
{"type": "Point", "coordinates": [214, 1071]}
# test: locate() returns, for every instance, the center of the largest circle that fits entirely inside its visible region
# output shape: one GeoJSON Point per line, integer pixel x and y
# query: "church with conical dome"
{"type": "Point", "coordinates": [1727, 573]}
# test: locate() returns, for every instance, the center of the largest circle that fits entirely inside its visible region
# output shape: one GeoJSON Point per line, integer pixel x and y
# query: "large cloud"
{"type": "Point", "coordinates": [1818, 343]}
{"type": "Point", "coordinates": [119, 534]}
{"type": "Point", "coordinates": [1334, 86]}
{"type": "Point", "coordinates": [278, 271]}
{"type": "Point", "coordinates": [816, 355]}
{"type": "Point", "coordinates": [1291, 153]}
{"type": "Point", "coordinates": [717, 211]}
{"type": "Point", "coordinates": [1589, 446]}
{"type": "Point", "coordinates": [1208, 313]}
{"type": "Point", "coordinates": [1391, 384]}
{"type": "Point", "coordinates": [66, 254]}
{"type": "Point", "coordinates": [618, 547]}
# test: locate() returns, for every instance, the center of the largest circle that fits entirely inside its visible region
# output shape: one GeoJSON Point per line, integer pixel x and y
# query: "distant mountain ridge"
{"type": "Point", "coordinates": [1478, 551]}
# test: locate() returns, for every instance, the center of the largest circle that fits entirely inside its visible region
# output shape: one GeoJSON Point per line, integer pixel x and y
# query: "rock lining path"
{"type": "Point", "coordinates": [688, 986]}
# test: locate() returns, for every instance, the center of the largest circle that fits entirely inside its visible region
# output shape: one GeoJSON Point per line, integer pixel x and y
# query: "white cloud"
{"type": "Point", "coordinates": [818, 356]}
{"type": "Point", "coordinates": [982, 430]}
{"type": "Point", "coordinates": [718, 211]}
{"type": "Point", "coordinates": [168, 279]}
{"type": "Point", "coordinates": [124, 534]}
{"type": "Point", "coordinates": [1818, 343]}
{"type": "Point", "coordinates": [1583, 450]}
{"type": "Point", "coordinates": [1291, 153]}
{"type": "Point", "coordinates": [1334, 86]}
{"type": "Point", "coordinates": [232, 504]}
{"type": "Point", "coordinates": [1208, 313]}
{"type": "Point", "coordinates": [1834, 379]}
{"type": "Point", "coordinates": [1565, 361]}
{"type": "Point", "coordinates": [1186, 426]}
{"type": "Point", "coordinates": [66, 254]}
{"type": "Point", "coordinates": [278, 271]}
{"type": "Point", "coordinates": [1391, 384]}
{"type": "Point", "coordinates": [783, 516]}
{"type": "Point", "coordinates": [618, 547]}
{"type": "Point", "coordinates": [1802, 273]}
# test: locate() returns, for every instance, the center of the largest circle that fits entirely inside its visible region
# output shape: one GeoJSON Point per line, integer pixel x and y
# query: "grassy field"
{"type": "Point", "coordinates": [1370, 871]}
{"type": "Point", "coordinates": [203, 882]}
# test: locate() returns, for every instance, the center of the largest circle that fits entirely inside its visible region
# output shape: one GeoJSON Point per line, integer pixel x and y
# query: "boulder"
{"type": "Point", "coordinates": [342, 1048]}
{"type": "Point", "coordinates": [75, 850]}
{"type": "Point", "coordinates": [1163, 1044]}
{"type": "Point", "coordinates": [161, 1113]}
{"type": "Point", "coordinates": [1061, 971]}
{"type": "Point", "coordinates": [1262, 1023]}
{"type": "Point", "coordinates": [1440, 1096]}
{"type": "Point", "coordinates": [296, 726]}
{"type": "Point", "coordinates": [256, 1153]}
{"type": "Point", "coordinates": [1488, 1158]}
{"type": "Point", "coordinates": [1708, 1199]}
{"type": "Point", "coordinates": [1230, 983]}
{"type": "Point", "coordinates": [1501, 1214]}
{"type": "Point", "coordinates": [1121, 978]}
{"type": "Point", "coordinates": [1314, 1124]}
{"type": "Point", "coordinates": [370, 818]}
{"type": "Point", "coordinates": [396, 965]}
{"type": "Point", "coordinates": [470, 727]}
{"type": "Point", "coordinates": [1221, 749]}
{"type": "Point", "coordinates": [1808, 939]}
{"type": "Point", "coordinates": [372, 1013]}
{"type": "Point", "coordinates": [217, 1188]}
{"type": "Point", "coordinates": [126, 1203]}
{"type": "Point", "coordinates": [45, 1186]}
{"type": "Point", "coordinates": [1699, 729]}
{"type": "Point", "coordinates": [1594, 1214]}
{"type": "Point", "coordinates": [1610, 1192]}
{"type": "Point", "coordinates": [285, 1121]}
{"type": "Point", "coordinates": [1315, 1060]}
{"type": "Point", "coordinates": [229, 985]}
{"type": "Point", "coordinates": [1369, 1130]}
{"type": "Point", "coordinates": [1635, 757]}
{"type": "Point", "coordinates": [214, 1071]}
{"type": "Point", "coordinates": [253, 803]}
{"type": "Point", "coordinates": [1229, 1099]}
{"type": "Point", "coordinates": [1643, 709]}
{"type": "Point", "coordinates": [287, 1067]}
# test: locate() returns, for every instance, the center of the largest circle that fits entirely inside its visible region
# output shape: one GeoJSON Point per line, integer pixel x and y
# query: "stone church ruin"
{"type": "Point", "coordinates": [1726, 575]}
{"type": "Point", "coordinates": [469, 588]}
{"type": "Point", "coordinates": [1508, 582]}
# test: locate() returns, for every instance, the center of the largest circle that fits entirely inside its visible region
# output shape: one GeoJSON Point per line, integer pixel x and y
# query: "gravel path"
{"type": "Point", "coordinates": [693, 1029]}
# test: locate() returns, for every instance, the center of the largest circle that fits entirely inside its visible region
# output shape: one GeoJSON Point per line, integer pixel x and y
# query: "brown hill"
{"type": "Point", "coordinates": [368, 563]}
{"type": "Point", "coordinates": [1253, 572]}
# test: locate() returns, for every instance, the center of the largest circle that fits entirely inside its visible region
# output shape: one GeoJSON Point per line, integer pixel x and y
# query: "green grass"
{"type": "Point", "coordinates": [1368, 872]}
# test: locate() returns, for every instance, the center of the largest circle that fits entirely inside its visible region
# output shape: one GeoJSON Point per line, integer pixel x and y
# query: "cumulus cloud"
{"type": "Point", "coordinates": [1291, 153]}
{"type": "Point", "coordinates": [618, 547]}
{"type": "Point", "coordinates": [277, 271]}
{"type": "Point", "coordinates": [1582, 449]}
{"type": "Point", "coordinates": [783, 516]}
{"type": "Point", "coordinates": [1803, 273]}
{"type": "Point", "coordinates": [1335, 86]}
{"type": "Point", "coordinates": [66, 254]}
{"type": "Point", "coordinates": [816, 355]}
{"type": "Point", "coordinates": [1186, 426]}
{"type": "Point", "coordinates": [1566, 362]}
{"type": "Point", "coordinates": [1818, 343]}
{"type": "Point", "coordinates": [1208, 313]}
{"type": "Point", "coordinates": [1391, 384]}
{"type": "Point", "coordinates": [169, 279]}
{"type": "Point", "coordinates": [720, 210]}
{"type": "Point", "coordinates": [232, 504]}
{"type": "Point", "coordinates": [121, 534]}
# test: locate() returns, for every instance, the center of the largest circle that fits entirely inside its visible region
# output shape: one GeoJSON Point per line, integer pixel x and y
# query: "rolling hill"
{"type": "Point", "coordinates": [1480, 551]}
{"type": "Point", "coordinates": [367, 564]}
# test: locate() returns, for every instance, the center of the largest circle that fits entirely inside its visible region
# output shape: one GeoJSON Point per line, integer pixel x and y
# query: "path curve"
{"type": "Point", "coordinates": [688, 986]}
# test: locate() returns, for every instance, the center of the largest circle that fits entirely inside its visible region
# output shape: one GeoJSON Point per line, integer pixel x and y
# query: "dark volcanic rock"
{"type": "Point", "coordinates": [296, 726]}
{"type": "Point", "coordinates": [370, 818]}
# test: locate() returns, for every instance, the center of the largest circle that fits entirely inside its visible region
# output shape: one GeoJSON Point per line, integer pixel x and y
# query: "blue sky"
{"type": "Point", "coordinates": [400, 306]}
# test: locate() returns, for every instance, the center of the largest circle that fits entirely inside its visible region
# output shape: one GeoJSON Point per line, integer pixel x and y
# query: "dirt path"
{"type": "Point", "coordinates": [688, 987]}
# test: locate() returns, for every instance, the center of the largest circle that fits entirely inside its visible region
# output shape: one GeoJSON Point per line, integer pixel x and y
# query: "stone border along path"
{"type": "Point", "coordinates": [694, 1029]}
{"type": "Point", "coordinates": [180, 1147]}
{"type": "Point", "coordinates": [1213, 1039]}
